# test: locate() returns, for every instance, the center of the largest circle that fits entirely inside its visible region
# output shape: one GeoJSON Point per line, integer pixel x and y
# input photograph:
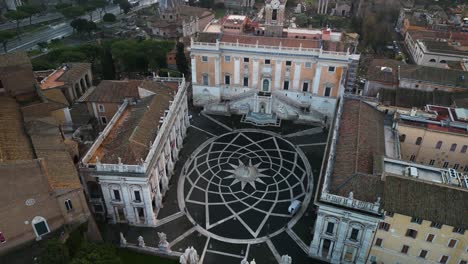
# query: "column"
{"type": "Point", "coordinates": [314, 245]}
{"type": "Point", "coordinates": [366, 243]}
{"type": "Point", "coordinates": [149, 214]}
{"type": "Point", "coordinates": [341, 235]}
{"type": "Point", "coordinates": [217, 71]}
{"type": "Point", "coordinates": [318, 72]}
{"type": "Point", "coordinates": [297, 76]}
{"type": "Point", "coordinates": [326, 7]}
{"type": "Point", "coordinates": [108, 201]}
{"type": "Point", "coordinates": [127, 199]}
{"type": "Point", "coordinates": [162, 174]}
{"type": "Point", "coordinates": [237, 69]}
{"type": "Point", "coordinates": [277, 82]}
{"type": "Point", "coordinates": [255, 74]}
{"type": "Point", "coordinates": [194, 70]}
{"type": "Point", "coordinates": [319, 6]}
{"type": "Point", "coordinates": [170, 162]}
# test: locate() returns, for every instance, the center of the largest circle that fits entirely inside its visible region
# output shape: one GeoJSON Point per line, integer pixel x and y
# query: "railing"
{"type": "Point", "coordinates": [229, 94]}
{"type": "Point", "coordinates": [351, 203]}
{"type": "Point", "coordinates": [290, 101]}
{"type": "Point", "coordinates": [120, 167]}
{"type": "Point", "coordinates": [168, 79]}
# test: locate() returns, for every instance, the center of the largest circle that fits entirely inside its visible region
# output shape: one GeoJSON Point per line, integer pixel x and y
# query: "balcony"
{"type": "Point", "coordinates": [351, 203]}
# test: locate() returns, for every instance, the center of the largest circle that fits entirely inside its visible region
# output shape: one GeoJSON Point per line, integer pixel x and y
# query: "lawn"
{"type": "Point", "coordinates": [132, 257]}
{"type": "Point", "coordinates": [219, 12]}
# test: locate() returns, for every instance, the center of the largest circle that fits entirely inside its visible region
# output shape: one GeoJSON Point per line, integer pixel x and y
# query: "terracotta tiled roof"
{"type": "Point", "coordinates": [270, 41]}
{"type": "Point", "coordinates": [75, 71]}
{"type": "Point", "coordinates": [42, 109]}
{"type": "Point", "coordinates": [157, 87]}
{"type": "Point", "coordinates": [131, 136]}
{"type": "Point", "coordinates": [48, 144]}
{"type": "Point", "coordinates": [17, 74]}
{"type": "Point", "coordinates": [14, 142]}
{"type": "Point", "coordinates": [56, 95]}
{"type": "Point", "coordinates": [21, 180]}
{"type": "Point", "coordinates": [383, 70]}
{"type": "Point", "coordinates": [360, 141]}
{"type": "Point", "coordinates": [14, 59]}
{"type": "Point", "coordinates": [427, 200]}
{"type": "Point", "coordinates": [446, 77]}
{"type": "Point", "coordinates": [113, 91]}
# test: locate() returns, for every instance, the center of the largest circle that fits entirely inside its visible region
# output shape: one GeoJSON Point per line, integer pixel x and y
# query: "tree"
{"type": "Point", "coordinates": [207, 3]}
{"type": "Point", "coordinates": [109, 17]}
{"type": "Point", "coordinates": [92, 51]}
{"type": "Point", "coordinates": [107, 62]}
{"type": "Point", "coordinates": [90, 26]}
{"type": "Point", "coordinates": [97, 253]}
{"type": "Point", "coordinates": [125, 6]}
{"type": "Point", "coordinates": [89, 8]}
{"type": "Point", "coordinates": [54, 253]}
{"type": "Point", "coordinates": [181, 60]}
{"type": "Point", "coordinates": [101, 4]}
{"type": "Point", "coordinates": [72, 11]}
{"type": "Point", "coordinates": [79, 24]}
{"type": "Point", "coordinates": [6, 36]}
{"type": "Point", "coordinates": [17, 16]}
{"type": "Point", "coordinates": [31, 10]}
{"type": "Point", "coordinates": [301, 20]}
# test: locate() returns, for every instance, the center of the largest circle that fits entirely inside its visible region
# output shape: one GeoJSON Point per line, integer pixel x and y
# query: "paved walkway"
{"type": "Point", "coordinates": [230, 195]}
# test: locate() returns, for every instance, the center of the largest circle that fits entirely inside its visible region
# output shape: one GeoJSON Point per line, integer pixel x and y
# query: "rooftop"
{"type": "Point", "coordinates": [383, 70]}
{"type": "Point", "coordinates": [130, 137]}
{"type": "Point", "coordinates": [445, 77]}
{"type": "Point", "coordinates": [109, 91]}
{"type": "Point", "coordinates": [14, 59]}
{"type": "Point", "coordinates": [361, 138]}
{"type": "Point", "coordinates": [66, 74]}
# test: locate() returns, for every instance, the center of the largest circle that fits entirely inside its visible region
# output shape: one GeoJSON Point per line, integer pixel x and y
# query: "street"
{"type": "Point", "coordinates": [28, 41]}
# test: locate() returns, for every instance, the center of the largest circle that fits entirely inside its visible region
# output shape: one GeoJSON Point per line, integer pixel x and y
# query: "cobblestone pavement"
{"type": "Point", "coordinates": [231, 190]}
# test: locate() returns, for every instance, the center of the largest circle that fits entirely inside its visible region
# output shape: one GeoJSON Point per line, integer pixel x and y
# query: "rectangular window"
{"type": "Point", "coordinates": [405, 249]}
{"type": "Point", "coordinates": [330, 227]}
{"type": "Point", "coordinates": [413, 157]}
{"type": "Point", "coordinates": [384, 226]}
{"type": "Point", "coordinates": [204, 58]}
{"type": "Point", "coordinates": [462, 262]}
{"type": "Point", "coordinates": [436, 225]}
{"type": "Point", "coordinates": [446, 164]}
{"type": "Point", "coordinates": [246, 81]}
{"type": "Point", "coordinates": [227, 58]}
{"type": "Point", "coordinates": [227, 79]}
{"type": "Point", "coordinates": [466, 168]}
{"type": "Point", "coordinates": [101, 108]}
{"type": "Point", "coordinates": [137, 196]}
{"type": "Point", "coordinates": [327, 91]}
{"type": "Point", "coordinates": [1, 84]}
{"type": "Point", "coordinates": [411, 233]}
{"type": "Point", "coordinates": [423, 253]}
{"type": "Point", "coordinates": [308, 65]}
{"type": "Point", "coordinates": [452, 243]}
{"type": "Point", "coordinates": [246, 59]}
{"type": "Point", "coordinates": [331, 68]}
{"type": "Point", "coordinates": [267, 62]}
{"type": "Point", "coordinates": [305, 86]}
{"type": "Point", "coordinates": [378, 242]}
{"type": "Point", "coordinates": [444, 259]}
{"type": "Point", "coordinates": [456, 166]}
{"type": "Point", "coordinates": [431, 162]}
{"type": "Point", "coordinates": [205, 79]}
{"type": "Point", "coordinates": [354, 234]}
{"type": "Point", "coordinates": [286, 85]}
{"type": "Point", "coordinates": [103, 120]}
{"type": "Point", "coordinates": [288, 63]}
{"type": "Point", "coordinates": [68, 205]}
{"type": "Point", "coordinates": [416, 220]}
{"type": "Point", "coordinates": [2, 238]}
{"type": "Point", "coordinates": [430, 238]}
{"type": "Point", "coordinates": [116, 195]}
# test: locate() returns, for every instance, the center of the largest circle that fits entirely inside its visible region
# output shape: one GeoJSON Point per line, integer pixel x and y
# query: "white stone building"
{"type": "Point", "coordinates": [133, 159]}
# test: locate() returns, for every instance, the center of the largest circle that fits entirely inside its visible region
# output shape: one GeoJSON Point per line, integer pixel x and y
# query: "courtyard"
{"type": "Point", "coordinates": [231, 189]}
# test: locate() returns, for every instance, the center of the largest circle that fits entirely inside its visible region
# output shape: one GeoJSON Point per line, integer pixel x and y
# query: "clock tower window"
{"type": "Point", "coordinates": [274, 14]}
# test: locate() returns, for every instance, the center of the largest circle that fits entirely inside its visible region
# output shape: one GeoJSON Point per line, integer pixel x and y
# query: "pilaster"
{"type": "Point", "coordinates": [341, 234]}
{"type": "Point", "coordinates": [237, 70]}
{"type": "Point", "coordinates": [318, 72]}
{"type": "Point", "coordinates": [315, 244]}
{"type": "Point", "coordinates": [297, 76]}
{"type": "Point", "coordinates": [217, 71]}
{"type": "Point", "coordinates": [277, 81]}
{"type": "Point", "coordinates": [194, 69]}
{"type": "Point", "coordinates": [255, 74]}
{"type": "Point", "coordinates": [149, 214]}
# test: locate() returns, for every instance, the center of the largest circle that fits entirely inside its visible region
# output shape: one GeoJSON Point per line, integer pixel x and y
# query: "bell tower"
{"type": "Point", "coordinates": [274, 17]}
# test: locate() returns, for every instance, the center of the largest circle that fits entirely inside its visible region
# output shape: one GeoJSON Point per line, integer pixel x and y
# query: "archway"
{"type": "Point", "coordinates": [40, 226]}
{"type": "Point", "coordinates": [262, 107]}
{"type": "Point", "coordinates": [88, 81]}
{"type": "Point", "coordinates": [83, 85]}
{"type": "Point", "coordinates": [77, 90]}
{"type": "Point", "coordinates": [266, 85]}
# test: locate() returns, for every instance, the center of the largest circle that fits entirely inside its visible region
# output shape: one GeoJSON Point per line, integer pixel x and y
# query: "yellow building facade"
{"type": "Point", "coordinates": [429, 242]}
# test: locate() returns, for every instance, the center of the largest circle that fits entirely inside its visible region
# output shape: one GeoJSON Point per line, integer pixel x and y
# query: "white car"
{"type": "Point", "coordinates": [294, 207]}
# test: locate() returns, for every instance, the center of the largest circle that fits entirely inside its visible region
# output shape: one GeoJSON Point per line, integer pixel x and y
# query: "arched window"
{"type": "Point", "coordinates": [266, 85]}
{"type": "Point", "coordinates": [453, 147]}
{"type": "Point", "coordinates": [40, 226]}
{"type": "Point", "coordinates": [418, 141]}
{"type": "Point", "coordinates": [443, 61]}
{"type": "Point", "coordinates": [432, 60]}
{"type": "Point", "coordinates": [402, 138]}
{"type": "Point", "coordinates": [68, 205]}
{"type": "Point", "coordinates": [463, 149]}
{"type": "Point", "coordinates": [439, 144]}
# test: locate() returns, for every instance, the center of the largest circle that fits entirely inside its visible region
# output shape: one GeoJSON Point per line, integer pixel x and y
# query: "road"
{"type": "Point", "coordinates": [29, 41]}
{"type": "Point", "coordinates": [35, 20]}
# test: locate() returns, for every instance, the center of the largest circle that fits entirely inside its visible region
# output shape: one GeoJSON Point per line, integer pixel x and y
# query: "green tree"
{"type": "Point", "coordinates": [107, 62]}
{"type": "Point", "coordinates": [31, 10]}
{"type": "Point", "coordinates": [17, 16]}
{"type": "Point", "coordinates": [71, 55]}
{"type": "Point", "coordinates": [109, 17]}
{"type": "Point", "coordinates": [207, 3]}
{"type": "Point", "coordinates": [92, 51]}
{"type": "Point", "coordinates": [301, 20]}
{"type": "Point", "coordinates": [90, 8]}
{"type": "Point", "coordinates": [97, 254]}
{"type": "Point", "coordinates": [90, 27]}
{"type": "Point", "coordinates": [72, 11]}
{"type": "Point", "coordinates": [62, 5]}
{"type": "Point", "coordinates": [6, 36]}
{"type": "Point", "coordinates": [54, 253]}
{"type": "Point", "coordinates": [181, 60]}
{"type": "Point", "coordinates": [79, 24]}
{"type": "Point", "coordinates": [101, 5]}
{"type": "Point", "coordinates": [125, 6]}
